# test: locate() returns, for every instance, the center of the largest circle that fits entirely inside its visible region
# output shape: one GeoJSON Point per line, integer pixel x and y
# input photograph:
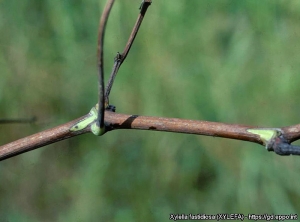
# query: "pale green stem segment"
{"type": "Point", "coordinates": [89, 120]}
{"type": "Point", "coordinates": [266, 134]}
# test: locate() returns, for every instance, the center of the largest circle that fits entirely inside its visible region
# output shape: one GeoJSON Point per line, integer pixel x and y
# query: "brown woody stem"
{"type": "Point", "coordinates": [40, 139]}
{"type": "Point", "coordinates": [114, 121]}
{"type": "Point", "coordinates": [101, 99]}
{"type": "Point", "coordinates": [119, 59]}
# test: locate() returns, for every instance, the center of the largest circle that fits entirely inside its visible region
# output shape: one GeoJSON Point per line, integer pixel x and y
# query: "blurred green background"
{"type": "Point", "coordinates": [219, 60]}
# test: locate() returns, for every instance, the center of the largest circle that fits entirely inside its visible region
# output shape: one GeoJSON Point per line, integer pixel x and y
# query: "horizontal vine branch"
{"type": "Point", "coordinates": [216, 129]}
{"type": "Point", "coordinates": [115, 121]}
{"type": "Point", "coordinates": [99, 121]}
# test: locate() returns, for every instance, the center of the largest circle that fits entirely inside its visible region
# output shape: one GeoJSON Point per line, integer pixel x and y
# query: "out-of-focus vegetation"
{"type": "Point", "coordinates": [217, 60]}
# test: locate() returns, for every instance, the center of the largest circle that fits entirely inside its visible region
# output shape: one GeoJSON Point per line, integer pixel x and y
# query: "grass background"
{"type": "Point", "coordinates": [218, 60]}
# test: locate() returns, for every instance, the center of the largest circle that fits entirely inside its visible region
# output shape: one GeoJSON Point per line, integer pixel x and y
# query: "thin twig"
{"type": "Point", "coordinates": [116, 66]}
{"type": "Point", "coordinates": [119, 59]}
{"type": "Point", "coordinates": [102, 25]}
{"type": "Point", "coordinates": [143, 10]}
{"type": "Point", "coordinates": [10, 121]}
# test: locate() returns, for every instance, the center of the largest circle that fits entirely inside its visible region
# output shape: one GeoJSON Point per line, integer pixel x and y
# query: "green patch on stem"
{"type": "Point", "coordinates": [266, 134]}
{"type": "Point", "coordinates": [89, 120]}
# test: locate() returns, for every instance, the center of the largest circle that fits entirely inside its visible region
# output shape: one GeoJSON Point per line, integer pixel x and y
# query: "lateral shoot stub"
{"type": "Point", "coordinates": [267, 135]}
{"type": "Point", "coordinates": [89, 120]}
